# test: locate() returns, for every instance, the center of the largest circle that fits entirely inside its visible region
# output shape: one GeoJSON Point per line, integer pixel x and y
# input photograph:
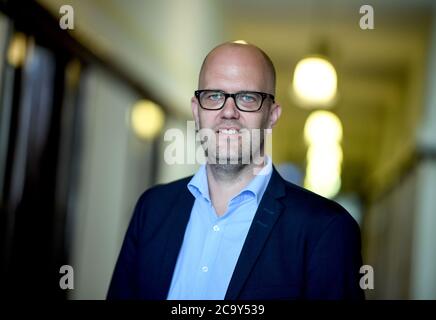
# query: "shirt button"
{"type": "Point", "coordinates": [216, 228]}
{"type": "Point", "coordinates": [205, 269]}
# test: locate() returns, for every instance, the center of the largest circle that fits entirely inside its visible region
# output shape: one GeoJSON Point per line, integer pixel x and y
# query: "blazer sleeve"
{"type": "Point", "coordinates": [124, 280]}
{"type": "Point", "coordinates": [333, 267]}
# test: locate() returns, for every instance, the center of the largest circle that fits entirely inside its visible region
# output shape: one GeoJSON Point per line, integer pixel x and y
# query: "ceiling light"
{"type": "Point", "coordinates": [322, 127]}
{"type": "Point", "coordinates": [314, 82]}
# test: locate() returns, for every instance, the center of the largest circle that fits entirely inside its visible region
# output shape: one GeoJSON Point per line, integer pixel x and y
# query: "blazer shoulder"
{"type": "Point", "coordinates": [314, 206]}
{"type": "Point", "coordinates": [155, 204]}
{"type": "Point", "coordinates": [318, 217]}
{"type": "Point", "coordinates": [166, 191]}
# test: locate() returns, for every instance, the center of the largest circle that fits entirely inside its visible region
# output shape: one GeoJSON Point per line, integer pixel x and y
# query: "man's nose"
{"type": "Point", "coordinates": [229, 110]}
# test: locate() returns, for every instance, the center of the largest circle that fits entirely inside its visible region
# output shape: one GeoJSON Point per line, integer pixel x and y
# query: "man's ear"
{"type": "Point", "coordinates": [274, 114]}
{"type": "Point", "coordinates": [195, 107]}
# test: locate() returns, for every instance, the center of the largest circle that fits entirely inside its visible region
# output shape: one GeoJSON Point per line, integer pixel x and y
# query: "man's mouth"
{"type": "Point", "coordinates": [228, 131]}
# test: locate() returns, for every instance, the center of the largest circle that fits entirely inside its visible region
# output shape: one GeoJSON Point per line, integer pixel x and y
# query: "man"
{"type": "Point", "coordinates": [237, 230]}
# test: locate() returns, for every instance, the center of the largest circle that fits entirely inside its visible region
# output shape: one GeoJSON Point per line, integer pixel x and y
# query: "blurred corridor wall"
{"type": "Point", "coordinates": [399, 229]}
{"type": "Point", "coordinates": [115, 169]}
{"type": "Point", "coordinates": [4, 122]}
{"type": "Point", "coordinates": [424, 252]}
{"type": "Point", "coordinates": [387, 238]}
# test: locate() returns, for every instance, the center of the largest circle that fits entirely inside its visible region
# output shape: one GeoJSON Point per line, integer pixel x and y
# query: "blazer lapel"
{"type": "Point", "coordinates": [267, 214]}
{"type": "Point", "coordinates": [176, 225]}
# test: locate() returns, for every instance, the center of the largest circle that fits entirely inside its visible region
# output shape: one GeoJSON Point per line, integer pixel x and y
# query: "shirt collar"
{"type": "Point", "coordinates": [198, 184]}
{"type": "Point", "coordinates": [258, 184]}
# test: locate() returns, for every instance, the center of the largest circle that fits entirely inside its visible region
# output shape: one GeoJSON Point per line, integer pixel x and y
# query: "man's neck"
{"type": "Point", "coordinates": [227, 180]}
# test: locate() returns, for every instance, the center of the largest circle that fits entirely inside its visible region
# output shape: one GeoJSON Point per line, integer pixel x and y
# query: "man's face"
{"type": "Point", "coordinates": [231, 70]}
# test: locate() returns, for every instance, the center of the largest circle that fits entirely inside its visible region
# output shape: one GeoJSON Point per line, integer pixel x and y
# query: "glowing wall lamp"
{"type": "Point", "coordinates": [16, 54]}
{"type": "Point", "coordinates": [147, 119]}
{"type": "Point", "coordinates": [314, 83]}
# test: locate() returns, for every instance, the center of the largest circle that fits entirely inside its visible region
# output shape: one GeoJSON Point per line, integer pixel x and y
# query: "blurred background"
{"type": "Point", "coordinates": [85, 103]}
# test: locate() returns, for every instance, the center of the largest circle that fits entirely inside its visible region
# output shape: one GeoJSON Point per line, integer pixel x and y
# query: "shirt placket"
{"type": "Point", "coordinates": [207, 265]}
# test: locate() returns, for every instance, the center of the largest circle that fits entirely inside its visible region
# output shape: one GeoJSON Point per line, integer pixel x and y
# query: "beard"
{"type": "Point", "coordinates": [238, 149]}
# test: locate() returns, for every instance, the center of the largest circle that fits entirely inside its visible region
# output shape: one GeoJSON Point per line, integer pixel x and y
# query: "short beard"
{"type": "Point", "coordinates": [247, 153]}
{"type": "Point", "coordinates": [227, 172]}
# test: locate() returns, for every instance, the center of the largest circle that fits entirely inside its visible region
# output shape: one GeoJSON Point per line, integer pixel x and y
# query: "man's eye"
{"type": "Point", "coordinates": [214, 96]}
{"type": "Point", "coordinates": [247, 98]}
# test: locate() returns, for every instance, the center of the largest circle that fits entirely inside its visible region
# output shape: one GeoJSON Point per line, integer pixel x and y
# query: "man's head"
{"type": "Point", "coordinates": [232, 68]}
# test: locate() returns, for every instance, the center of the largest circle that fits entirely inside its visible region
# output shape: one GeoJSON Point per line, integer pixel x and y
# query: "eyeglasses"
{"type": "Point", "coordinates": [247, 101]}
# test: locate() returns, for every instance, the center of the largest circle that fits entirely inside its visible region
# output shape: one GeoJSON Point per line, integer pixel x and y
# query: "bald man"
{"type": "Point", "coordinates": [236, 229]}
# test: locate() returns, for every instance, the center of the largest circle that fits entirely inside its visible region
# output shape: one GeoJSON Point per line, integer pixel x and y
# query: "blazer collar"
{"type": "Point", "coordinates": [266, 216]}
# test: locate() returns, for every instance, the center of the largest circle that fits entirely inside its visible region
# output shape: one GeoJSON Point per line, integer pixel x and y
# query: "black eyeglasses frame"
{"type": "Point", "coordinates": [264, 95]}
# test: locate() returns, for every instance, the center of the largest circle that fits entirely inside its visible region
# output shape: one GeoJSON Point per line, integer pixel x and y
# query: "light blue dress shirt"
{"type": "Point", "coordinates": [212, 244]}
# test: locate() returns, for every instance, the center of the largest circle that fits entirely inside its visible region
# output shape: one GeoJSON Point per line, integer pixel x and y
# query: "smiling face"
{"type": "Point", "coordinates": [233, 68]}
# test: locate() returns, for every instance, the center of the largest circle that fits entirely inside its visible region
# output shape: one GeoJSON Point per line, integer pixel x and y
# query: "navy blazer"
{"type": "Point", "coordinates": [299, 246]}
